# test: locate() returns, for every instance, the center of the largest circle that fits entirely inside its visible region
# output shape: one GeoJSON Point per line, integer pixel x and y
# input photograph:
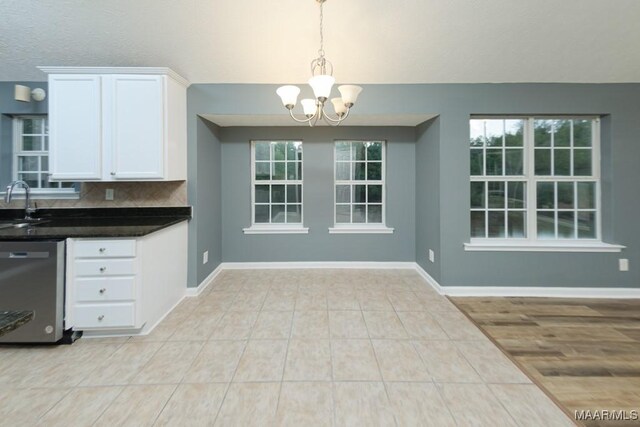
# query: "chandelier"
{"type": "Point", "coordinates": [321, 82]}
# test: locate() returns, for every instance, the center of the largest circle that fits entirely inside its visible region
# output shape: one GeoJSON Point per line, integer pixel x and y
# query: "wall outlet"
{"type": "Point", "coordinates": [205, 257]}
{"type": "Point", "coordinates": [109, 194]}
{"type": "Point", "coordinates": [623, 264]}
{"type": "Point", "coordinates": [432, 255]}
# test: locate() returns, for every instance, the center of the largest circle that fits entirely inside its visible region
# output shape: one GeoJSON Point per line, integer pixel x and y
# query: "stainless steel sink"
{"type": "Point", "coordinates": [22, 223]}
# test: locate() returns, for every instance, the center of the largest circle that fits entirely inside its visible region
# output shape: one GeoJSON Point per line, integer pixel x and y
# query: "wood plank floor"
{"type": "Point", "coordinates": [585, 353]}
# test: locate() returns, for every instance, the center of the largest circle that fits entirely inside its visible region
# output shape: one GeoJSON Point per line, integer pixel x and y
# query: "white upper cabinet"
{"type": "Point", "coordinates": [137, 124]}
{"type": "Point", "coordinates": [117, 124]}
{"type": "Point", "coordinates": [75, 136]}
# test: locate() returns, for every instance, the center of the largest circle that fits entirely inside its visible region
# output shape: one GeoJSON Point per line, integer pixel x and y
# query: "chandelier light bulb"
{"type": "Point", "coordinates": [309, 107]}
{"type": "Point", "coordinates": [338, 106]}
{"type": "Point", "coordinates": [349, 94]}
{"type": "Point", "coordinates": [289, 95]}
{"type": "Point", "coordinates": [321, 86]}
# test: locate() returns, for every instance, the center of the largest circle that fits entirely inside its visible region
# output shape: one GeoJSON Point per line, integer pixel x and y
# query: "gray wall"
{"type": "Point", "coordinates": [203, 187]}
{"type": "Point", "coordinates": [318, 190]}
{"type": "Point", "coordinates": [454, 103]}
{"type": "Point", "coordinates": [209, 195]}
{"type": "Point", "coordinates": [9, 107]}
{"type": "Point", "coordinates": [428, 196]}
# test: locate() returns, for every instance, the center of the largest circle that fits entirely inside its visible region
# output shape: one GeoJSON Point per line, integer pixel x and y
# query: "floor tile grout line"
{"type": "Point", "coordinates": [155, 419]}
{"type": "Point", "coordinates": [109, 405]}
{"type": "Point", "coordinates": [333, 397]}
{"type": "Point", "coordinates": [384, 385]}
{"type": "Point", "coordinates": [284, 364]}
{"type": "Point", "coordinates": [449, 411]}
{"type": "Point", "coordinates": [235, 371]}
{"type": "Point", "coordinates": [502, 404]}
{"type": "Point", "coordinates": [64, 395]}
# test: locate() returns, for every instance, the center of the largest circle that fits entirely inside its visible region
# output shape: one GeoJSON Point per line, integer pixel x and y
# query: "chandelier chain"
{"type": "Point", "coordinates": [321, 51]}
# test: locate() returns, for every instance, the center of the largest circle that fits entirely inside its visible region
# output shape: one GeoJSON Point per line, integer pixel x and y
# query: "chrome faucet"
{"type": "Point", "coordinates": [28, 210]}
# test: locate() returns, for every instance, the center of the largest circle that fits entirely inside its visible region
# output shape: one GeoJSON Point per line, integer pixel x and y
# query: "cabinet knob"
{"type": "Point", "coordinates": [101, 317]}
{"type": "Point", "coordinates": [102, 250]}
{"type": "Point", "coordinates": [102, 291]}
{"type": "Point", "coordinates": [103, 269]}
{"type": "Point", "coordinates": [113, 174]}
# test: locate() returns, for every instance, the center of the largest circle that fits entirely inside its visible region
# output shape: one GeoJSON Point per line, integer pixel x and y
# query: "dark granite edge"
{"type": "Point", "coordinates": [178, 211]}
{"type": "Point", "coordinates": [12, 320]}
{"type": "Point", "coordinates": [90, 232]}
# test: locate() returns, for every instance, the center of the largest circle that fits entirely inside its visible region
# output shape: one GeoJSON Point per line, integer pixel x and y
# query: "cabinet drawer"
{"type": "Point", "coordinates": [120, 315]}
{"type": "Point", "coordinates": [105, 267]}
{"type": "Point", "coordinates": [105, 248]}
{"type": "Point", "coordinates": [105, 289]}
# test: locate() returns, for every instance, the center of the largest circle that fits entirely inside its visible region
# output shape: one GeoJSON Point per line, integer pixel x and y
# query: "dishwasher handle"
{"type": "Point", "coordinates": [24, 255]}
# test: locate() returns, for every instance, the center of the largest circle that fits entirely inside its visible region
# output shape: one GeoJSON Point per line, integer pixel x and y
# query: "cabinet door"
{"type": "Point", "coordinates": [137, 127]}
{"type": "Point", "coordinates": [75, 127]}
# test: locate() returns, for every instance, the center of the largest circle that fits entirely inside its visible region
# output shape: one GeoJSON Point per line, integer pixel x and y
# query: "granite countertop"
{"type": "Point", "coordinates": [11, 320]}
{"type": "Point", "coordinates": [93, 222]}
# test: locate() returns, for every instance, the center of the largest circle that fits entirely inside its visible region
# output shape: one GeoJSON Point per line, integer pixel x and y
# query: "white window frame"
{"type": "Point", "coordinates": [35, 193]}
{"type": "Point", "coordinates": [361, 228]}
{"type": "Point", "coordinates": [274, 228]}
{"type": "Point", "coordinates": [531, 242]}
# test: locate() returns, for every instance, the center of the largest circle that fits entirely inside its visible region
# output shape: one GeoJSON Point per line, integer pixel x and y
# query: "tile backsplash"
{"type": "Point", "coordinates": [126, 194]}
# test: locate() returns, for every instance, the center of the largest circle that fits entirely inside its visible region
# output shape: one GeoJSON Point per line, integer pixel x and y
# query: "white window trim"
{"type": "Point", "coordinates": [35, 193]}
{"type": "Point", "coordinates": [274, 228]}
{"type": "Point", "coordinates": [524, 245]}
{"type": "Point", "coordinates": [532, 243]}
{"type": "Point", "coordinates": [361, 228]}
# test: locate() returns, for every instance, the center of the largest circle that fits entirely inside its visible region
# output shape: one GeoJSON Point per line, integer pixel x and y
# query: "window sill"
{"type": "Point", "coordinates": [275, 230]}
{"type": "Point", "coordinates": [361, 230]}
{"type": "Point", "coordinates": [592, 246]}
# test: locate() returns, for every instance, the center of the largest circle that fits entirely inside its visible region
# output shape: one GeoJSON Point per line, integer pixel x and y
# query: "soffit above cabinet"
{"type": "Point", "coordinates": [280, 120]}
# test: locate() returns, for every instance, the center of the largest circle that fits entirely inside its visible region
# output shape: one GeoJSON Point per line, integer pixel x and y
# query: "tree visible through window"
{"type": "Point", "coordinates": [277, 182]}
{"type": "Point", "coordinates": [359, 182]}
{"type": "Point", "coordinates": [534, 178]}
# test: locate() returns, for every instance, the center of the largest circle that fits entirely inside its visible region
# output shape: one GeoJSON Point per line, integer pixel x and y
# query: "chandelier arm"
{"type": "Point", "coordinates": [307, 120]}
{"type": "Point", "coordinates": [331, 120]}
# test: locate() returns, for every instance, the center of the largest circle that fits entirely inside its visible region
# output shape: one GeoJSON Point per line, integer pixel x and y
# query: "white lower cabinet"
{"type": "Point", "coordinates": [125, 285]}
{"type": "Point", "coordinates": [106, 315]}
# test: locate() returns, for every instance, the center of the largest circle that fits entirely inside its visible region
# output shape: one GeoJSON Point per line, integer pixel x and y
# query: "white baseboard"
{"type": "Point", "coordinates": [430, 280]}
{"type": "Point", "coordinates": [146, 331]}
{"type": "Point", "coordinates": [527, 291]}
{"type": "Point", "coordinates": [320, 264]}
{"type": "Point", "coordinates": [194, 292]}
{"type": "Point", "coordinates": [542, 292]}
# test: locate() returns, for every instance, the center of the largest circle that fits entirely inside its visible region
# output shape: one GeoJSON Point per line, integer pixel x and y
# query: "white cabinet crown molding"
{"type": "Point", "coordinates": [116, 70]}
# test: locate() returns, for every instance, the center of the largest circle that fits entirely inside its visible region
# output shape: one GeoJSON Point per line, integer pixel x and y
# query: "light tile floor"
{"type": "Point", "coordinates": [276, 347]}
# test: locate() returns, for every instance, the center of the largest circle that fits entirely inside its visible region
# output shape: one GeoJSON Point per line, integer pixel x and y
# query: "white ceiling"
{"type": "Point", "coordinates": [369, 41]}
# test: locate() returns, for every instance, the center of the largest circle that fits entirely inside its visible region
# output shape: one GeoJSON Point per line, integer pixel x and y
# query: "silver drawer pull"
{"type": "Point", "coordinates": [102, 291]}
{"type": "Point", "coordinates": [103, 269]}
{"type": "Point", "coordinates": [100, 317]}
{"type": "Point", "coordinates": [102, 250]}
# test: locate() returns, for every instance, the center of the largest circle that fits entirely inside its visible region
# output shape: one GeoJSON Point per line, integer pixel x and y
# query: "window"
{"type": "Point", "coordinates": [276, 181]}
{"type": "Point", "coordinates": [535, 179]}
{"type": "Point", "coordinates": [359, 187]}
{"type": "Point", "coordinates": [31, 157]}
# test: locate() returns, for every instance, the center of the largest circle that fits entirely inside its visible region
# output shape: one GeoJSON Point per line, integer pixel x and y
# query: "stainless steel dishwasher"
{"type": "Point", "coordinates": [32, 279]}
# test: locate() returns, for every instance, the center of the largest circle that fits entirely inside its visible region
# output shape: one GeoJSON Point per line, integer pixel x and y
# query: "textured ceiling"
{"type": "Point", "coordinates": [369, 41]}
